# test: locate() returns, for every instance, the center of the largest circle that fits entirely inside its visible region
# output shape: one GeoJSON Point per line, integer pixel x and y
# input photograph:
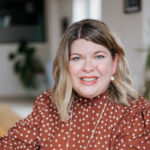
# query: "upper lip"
{"type": "Point", "coordinates": [89, 77]}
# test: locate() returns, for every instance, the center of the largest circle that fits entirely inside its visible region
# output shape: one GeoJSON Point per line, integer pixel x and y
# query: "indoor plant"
{"type": "Point", "coordinates": [147, 76]}
{"type": "Point", "coordinates": [27, 65]}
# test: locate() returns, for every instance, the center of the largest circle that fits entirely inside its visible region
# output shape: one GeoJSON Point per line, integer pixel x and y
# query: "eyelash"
{"type": "Point", "coordinates": [99, 57]}
{"type": "Point", "coordinates": [75, 58]}
{"type": "Point", "coordinates": [79, 58]}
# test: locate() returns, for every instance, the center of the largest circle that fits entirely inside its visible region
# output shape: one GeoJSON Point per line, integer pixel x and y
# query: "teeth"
{"type": "Point", "coordinates": [88, 79]}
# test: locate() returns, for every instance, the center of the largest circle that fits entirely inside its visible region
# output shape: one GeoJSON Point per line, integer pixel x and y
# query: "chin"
{"type": "Point", "coordinates": [88, 95]}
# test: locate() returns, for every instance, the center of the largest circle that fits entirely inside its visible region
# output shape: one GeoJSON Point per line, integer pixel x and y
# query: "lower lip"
{"type": "Point", "coordinates": [88, 83]}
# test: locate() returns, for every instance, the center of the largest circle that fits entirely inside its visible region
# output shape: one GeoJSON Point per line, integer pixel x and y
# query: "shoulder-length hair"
{"type": "Point", "coordinates": [120, 90]}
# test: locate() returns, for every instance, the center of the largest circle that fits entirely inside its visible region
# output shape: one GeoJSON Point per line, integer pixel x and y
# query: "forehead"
{"type": "Point", "coordinates": [82, 45]}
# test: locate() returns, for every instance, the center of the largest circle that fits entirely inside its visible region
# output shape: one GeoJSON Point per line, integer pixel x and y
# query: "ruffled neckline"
{"type": "Point", "coordinates": [101, 97]}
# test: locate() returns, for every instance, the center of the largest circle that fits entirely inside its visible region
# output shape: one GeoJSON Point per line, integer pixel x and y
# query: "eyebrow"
{"type": "Point", "coordinates": [96, 52]}
{"type": "Point", "coordinates": [75, 54]}
{"type": "Point", "coordinates": [99, 51]}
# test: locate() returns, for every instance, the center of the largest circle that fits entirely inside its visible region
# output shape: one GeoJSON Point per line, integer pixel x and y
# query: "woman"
{"type": "Point", "coordinates": [92, 104]}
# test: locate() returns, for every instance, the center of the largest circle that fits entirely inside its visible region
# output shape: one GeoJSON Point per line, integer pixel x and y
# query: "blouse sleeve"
{"type": "Point", "coordinates": [134, 131]}
{"type": "Point", "coordinates": [24, 135]}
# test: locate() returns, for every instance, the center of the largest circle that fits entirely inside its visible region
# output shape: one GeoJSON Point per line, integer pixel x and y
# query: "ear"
{"type": "Point", "coordinates": [115, 63]}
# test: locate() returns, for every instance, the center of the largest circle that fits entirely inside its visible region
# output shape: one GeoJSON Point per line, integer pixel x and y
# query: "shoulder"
{"type": "Point", "coordinates": [134, 127]}
{"type": "Point", "coordinates": [136, 117]}
{"type": "Point", "coordinates": [46, 109]}
{"type": "Point", "coordinates": [142, 108]}
{"type": "Point", "coordinates": [139, 106]}
{"type": "Point", "coordinates": [44, 101]}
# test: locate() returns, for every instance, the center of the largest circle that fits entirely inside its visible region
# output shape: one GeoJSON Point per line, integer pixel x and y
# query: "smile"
{"type": "Point", "coordinates": [88, 79]}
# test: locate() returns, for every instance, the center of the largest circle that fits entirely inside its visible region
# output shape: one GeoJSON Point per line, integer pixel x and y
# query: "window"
{"type": "Point", "coordinates": [22, 20]}
{"type": "Point", "coordinates": [83, 9]}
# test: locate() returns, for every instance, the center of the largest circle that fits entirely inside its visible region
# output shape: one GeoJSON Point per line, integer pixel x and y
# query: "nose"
{"type": "Point", "coordinates": [88, 66]}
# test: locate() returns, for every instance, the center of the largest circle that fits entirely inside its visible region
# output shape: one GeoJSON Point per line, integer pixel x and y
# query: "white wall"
{"type": "Point", "coordinates": [130, 31]}
{"type": "Point", "coordinates": [55, 10]}
{"type": "Point", "coordinates": [10, 85]}
{"type": "Point", "coordinates": [129, 28]}
{"type": "Point", "coordinates": [9, 82]}
{"type": "Point", "coordinates": [146, 22]}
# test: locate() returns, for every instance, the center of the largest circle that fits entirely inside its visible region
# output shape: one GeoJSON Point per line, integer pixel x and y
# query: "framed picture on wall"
{"type": "Point", "coordinates": [131, 6]}
{"type": "Point", "coordinates": [22, 20]}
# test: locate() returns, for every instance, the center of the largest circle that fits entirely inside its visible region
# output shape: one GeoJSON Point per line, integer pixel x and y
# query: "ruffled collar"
{"type": "Point", "coordinates": [102, 97]}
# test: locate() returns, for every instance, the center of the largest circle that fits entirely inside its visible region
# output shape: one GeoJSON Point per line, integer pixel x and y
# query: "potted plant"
{"type": "Point", "coordinates": [26, 65]}
{"type": "Point", "coordinates": [147, 76]}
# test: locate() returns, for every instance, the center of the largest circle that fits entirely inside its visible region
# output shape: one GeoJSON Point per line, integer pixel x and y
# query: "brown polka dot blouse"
{"type": "Point", "coordinates": [120, 128]}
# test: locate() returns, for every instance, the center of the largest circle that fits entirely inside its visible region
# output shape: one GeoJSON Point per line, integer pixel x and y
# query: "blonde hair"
{"type": "Point", "coordinates": [120, 90]}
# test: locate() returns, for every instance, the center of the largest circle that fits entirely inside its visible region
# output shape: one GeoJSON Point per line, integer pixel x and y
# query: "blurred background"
{"type": "Point", "coordinates": [30, 31]}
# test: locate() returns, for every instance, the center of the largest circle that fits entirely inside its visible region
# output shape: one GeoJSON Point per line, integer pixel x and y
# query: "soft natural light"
{"type": "Point", "coordinates": [95, 9]}
{"type": "Point", "coordinates": [83, 9]}
{"type": "Point", "coordinates": [79, 10]}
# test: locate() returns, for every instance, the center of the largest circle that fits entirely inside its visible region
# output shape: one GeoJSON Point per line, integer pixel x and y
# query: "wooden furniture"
{"type": "Point", "coordinates": [8, 118]}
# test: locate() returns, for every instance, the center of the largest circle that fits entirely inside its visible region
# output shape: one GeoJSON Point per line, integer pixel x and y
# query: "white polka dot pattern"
{"type": "Point", "coordinates": [121, 127]}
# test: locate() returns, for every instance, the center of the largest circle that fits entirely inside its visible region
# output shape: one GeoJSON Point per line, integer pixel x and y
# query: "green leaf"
{"type": "Point", "coordinates": [17, 67]}
{"type": "Point", "coordinates": [148, 61]}
{"type": "Point", "coordinates": [11, 56]}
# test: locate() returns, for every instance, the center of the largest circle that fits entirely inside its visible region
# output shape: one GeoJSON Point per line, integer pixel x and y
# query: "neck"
{"type": "Point", "coordinates": [104, 94]}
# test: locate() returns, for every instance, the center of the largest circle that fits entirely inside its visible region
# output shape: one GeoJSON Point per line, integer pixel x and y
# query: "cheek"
{"type": "Point", "coordinates": [104, 68]}
{"type": "Point", "coordinates": [73, 69]}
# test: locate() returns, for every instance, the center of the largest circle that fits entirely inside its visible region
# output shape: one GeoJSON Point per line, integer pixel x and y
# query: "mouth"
{"type": "Point", "coordinates": [88, 80]}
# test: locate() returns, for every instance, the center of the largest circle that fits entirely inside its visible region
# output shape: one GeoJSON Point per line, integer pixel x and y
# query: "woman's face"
{"type": "Point", "coordinates": [90, 68]}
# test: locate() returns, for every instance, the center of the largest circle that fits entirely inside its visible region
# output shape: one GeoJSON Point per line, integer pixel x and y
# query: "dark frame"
{"type": "Point", "coordinates": [132, 6]}
{"type": "Point", "coordinates": [22, 20]}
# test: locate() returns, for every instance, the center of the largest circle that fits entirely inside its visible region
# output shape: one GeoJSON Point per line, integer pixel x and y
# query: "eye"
{"type": "Point", "coordinates": [99, 57]}
{"type": "Point", "coordinates": [76, 58]}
